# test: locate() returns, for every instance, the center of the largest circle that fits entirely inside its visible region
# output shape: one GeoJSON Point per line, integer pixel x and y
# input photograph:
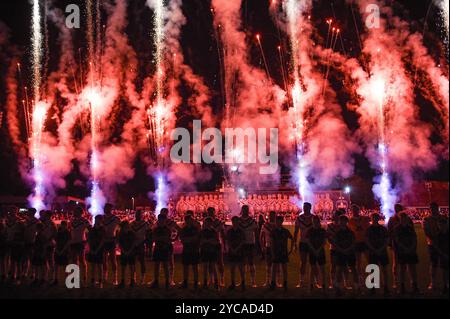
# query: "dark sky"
{"type": "Point", "coordinates": [200, 53]}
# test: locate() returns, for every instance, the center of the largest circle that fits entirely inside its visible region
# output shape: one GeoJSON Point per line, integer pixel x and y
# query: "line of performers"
{"type": "Point", "coordinates": [36, 249]}
{"type": "Point", "coordinates": [256, 203]}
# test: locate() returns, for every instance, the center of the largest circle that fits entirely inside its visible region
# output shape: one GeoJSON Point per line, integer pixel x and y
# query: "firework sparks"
{"type": "Point", "coordinates": [378, 90]}
{"type": "Point", "coordinates": [383, 190]}
{"type": "Point", "coordinates": [36, 49]}
{"type": "Point", "coordinates": [161, 193]}
{"type": "Point", "coordinates": [90, 31]}
{"type": "Point", "coordinates": [159, 46]}
{"type": "Point", "coordinates": [266, 66]}
{"type": "Point", "coordinates": [38, 114]}
{"type": "Point", "coordinates": [38, 173]}
{"type": "Point", "coordinates": [307, 107]}
{"type": "Point", "coordinates": [293, 12]}
{"type": "Point", "coordinates": [93, 96]}
{"type": "Point", "coordinates": [445, 14]}
{"type": "Point", "coordinates": [158, 112]}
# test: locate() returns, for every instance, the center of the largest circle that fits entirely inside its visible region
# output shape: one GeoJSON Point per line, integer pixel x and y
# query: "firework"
{"type": "Point", "coordinates": [159, 46]}
{"type": "Point", "coordinates": [158, 111]}
{"type": "Point", "coordinates": [383, 189]}
{"type": "Point", "coordinates": [36, 49]}
{"type": "Point", "coordinates": [293, 12]}
{"type": "Point", "coordinates": [90, 38]}
{"type": "Point", "coordinates": [38, 173]}
{"type": "Point", "coordinates": [390, 114]}
{"type": "Point", "coordinates": [161, 193]}
{"type": "Point", "coordinates": [444, 5]}
{"type": "Point", "coordinates": [94, 98]}
{"type": "Point", "coordinates": [81, 99]}
{"type": "Point", "coordinates": [38, 114]}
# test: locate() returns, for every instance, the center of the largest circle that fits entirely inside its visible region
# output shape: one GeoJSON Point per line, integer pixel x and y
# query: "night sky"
{"type": "Point", "coordinates": [200, 53]}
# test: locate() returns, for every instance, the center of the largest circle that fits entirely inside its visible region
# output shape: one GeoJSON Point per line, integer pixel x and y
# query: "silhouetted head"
{"type": "Point", "coordinates": [261, 219]}
{"type": "Point", "coordinates": [211, 212]}
{"type": "Point", "coordinates": [307, 208]}
{"type": "Point", "coordinates": [63, 225]}
{"type": "Point", "coordinates": [272, 216]}
{"type": "Point", "coordinates": [279, 221]}
{"type": "Point", "coordinates": [245, 211]}
{"type": "Point", "coordinates": [107, 209]}
{"type": "Point", "coordinates": [338, 214]}
{"type": "Point", "coordinates": [398, 208]}
{"type": "Point", "coordinates": [189, 213]}
{"type": "Point", "coordinates": [434, 207]}
{"type": "Point", "coordinates": [188, 219]}
{"type": "Point", "coordinates": [375, 217]}
{"type": "Point", "coordinates": [42, 214]}
{"type": "Point", "coordinates": [138, 215]}
{"type": "Point", "coordinates": [164, 211]}
{"type": "Point", "coordinates": [47, 215]}
{"type": "Point", "coordinates": [31, 212]}
{"type": "Point", "coordinates": [355, 210]}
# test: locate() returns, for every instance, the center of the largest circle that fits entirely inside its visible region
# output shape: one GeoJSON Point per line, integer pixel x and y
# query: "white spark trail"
{"type": "Point", "coordinates": [39, 112]}
{"type": "Point", "coordinates": [293, 12]}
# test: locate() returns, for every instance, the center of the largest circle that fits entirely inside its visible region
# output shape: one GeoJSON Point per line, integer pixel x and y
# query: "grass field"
{"type": "Point", "coordinates": [139, 292]}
